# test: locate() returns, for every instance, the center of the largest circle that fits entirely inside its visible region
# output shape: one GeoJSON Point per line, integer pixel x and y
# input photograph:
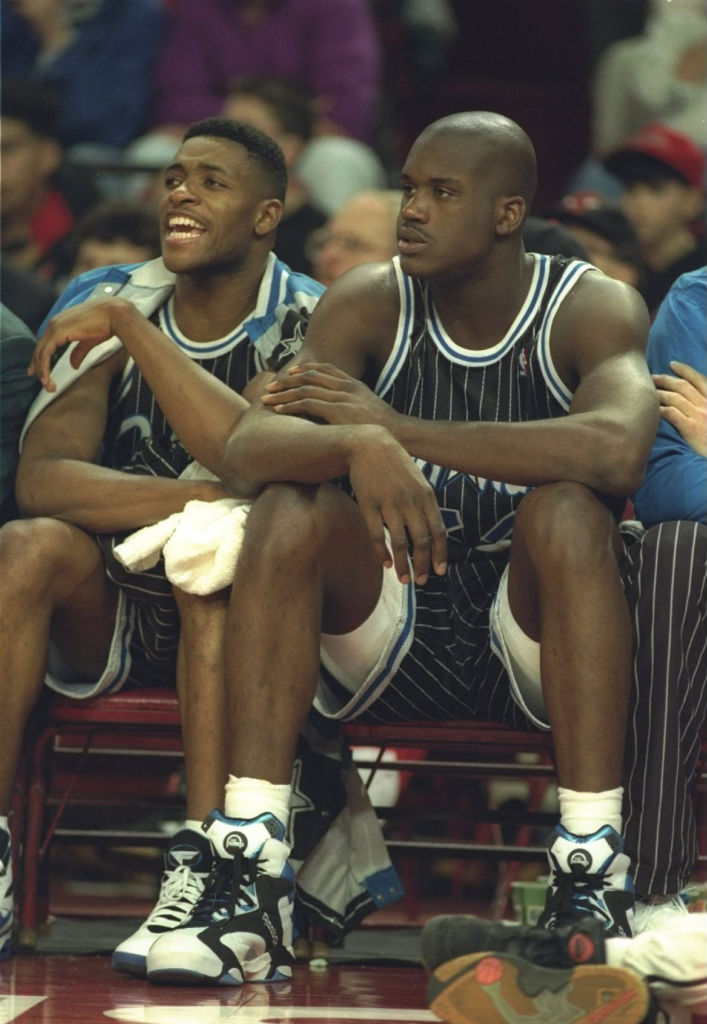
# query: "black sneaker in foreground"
{"type": "Point", "coordinates": [452, 935]}
{"type": "Point", "coordinates": [498, 988]}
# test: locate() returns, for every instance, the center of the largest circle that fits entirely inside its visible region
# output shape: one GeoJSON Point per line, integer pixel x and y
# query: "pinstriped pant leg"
{"type": "Point", "coordinates": [665, 575]}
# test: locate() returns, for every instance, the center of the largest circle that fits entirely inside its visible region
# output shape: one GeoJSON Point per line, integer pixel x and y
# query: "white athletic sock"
{"type": "Point", "coordinates": [670, 958]}
{"type": "Point", "coordinates": [4, 822]}
{"type": "Point", "coordinates": [247, 798]}
{"type": "Point", "coordinates": [193, 824]}
{"type": "Point", "coordinates": [616, 949]}
{"type": "Point", "coordinates": [584, 813]}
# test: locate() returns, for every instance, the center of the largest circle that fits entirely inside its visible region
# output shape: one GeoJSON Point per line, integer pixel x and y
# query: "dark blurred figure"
{"type": "Point", "coordinates": [17, 391]}
{"type": "Point", "coordinates": [28, 296]}
{"type": "Point", "coordinates": [544, 236]}
{"type": "Point", "coordinates": [115, 231]}
{"type": "Point", "coordinates": [96, 55]}
{"type": "Point", "coordinates": [605, 232]}
{"type": "Point", "coordinates": [284, 111]}
{"type": "Point", "coordinates": [41, 197]}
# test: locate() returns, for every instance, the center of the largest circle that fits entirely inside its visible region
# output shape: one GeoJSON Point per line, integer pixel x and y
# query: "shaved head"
{"type": "Point", "coordinates": [496, 147]}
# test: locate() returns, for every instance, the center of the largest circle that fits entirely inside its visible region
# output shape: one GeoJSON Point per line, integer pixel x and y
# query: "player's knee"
{"type": "Point", "coordinates": [32, 555]}
{"type": "Point", "coordinates": [284, 527]}
{"type": "Point", "coordinates": [564, 524]}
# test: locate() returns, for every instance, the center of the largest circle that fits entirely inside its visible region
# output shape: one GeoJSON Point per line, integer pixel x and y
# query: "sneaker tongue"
{"type": "Point", "coordinates": [188, 849]}
{"type": "Point", "coordinates": [233, 835]}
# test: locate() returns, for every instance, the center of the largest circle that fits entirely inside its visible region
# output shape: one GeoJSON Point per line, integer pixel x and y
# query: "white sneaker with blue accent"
{"type": "Point", "coordinates": [589, 875]}
{"type": "Point", "coordinates": [188, 860]}
{"type": "Point", "coordinates": [241, 929]}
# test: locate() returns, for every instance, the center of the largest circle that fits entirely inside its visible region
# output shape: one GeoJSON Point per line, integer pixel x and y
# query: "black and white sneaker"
{"type": "Point", "coordinates": [188, 860]}
{"type": "Point", "coordinates": [241, 929]}
{"type": "Point", "coordinates": [589, 875]}
{"type": "Point", "coordinates": [7, 896]}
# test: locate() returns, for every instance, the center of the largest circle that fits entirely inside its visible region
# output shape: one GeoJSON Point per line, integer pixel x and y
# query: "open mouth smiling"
{"type": "Point", "coordinates": [181, 227]}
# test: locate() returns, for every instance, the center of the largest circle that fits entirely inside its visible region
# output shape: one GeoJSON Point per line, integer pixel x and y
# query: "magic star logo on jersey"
{"type": "Point", "coordinates": [441, 477]}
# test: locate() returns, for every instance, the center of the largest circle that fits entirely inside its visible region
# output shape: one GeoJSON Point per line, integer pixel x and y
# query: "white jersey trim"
{"type": "Point", "coordinates": [555, 384]}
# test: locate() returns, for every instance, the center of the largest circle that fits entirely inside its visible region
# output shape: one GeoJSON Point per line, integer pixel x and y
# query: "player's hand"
{"type": "Point", "coordinates": [683, 403]}
{"type": "Point", "coordinates": [393, 493]}
{"type": "Point", "coordinates": [322, 391]}
{"type": "Point", "coordinates": [88, 324]}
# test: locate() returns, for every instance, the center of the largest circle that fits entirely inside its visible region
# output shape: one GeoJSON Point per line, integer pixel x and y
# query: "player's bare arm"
{"type": "Point", "coordinates": [200, 408]}
{"type": "Point", "coordinates": [353, 324]}
{"type": "Point", "coordinates": [57, 475]}
{"type": "Point", "coordinates": [598, 345]}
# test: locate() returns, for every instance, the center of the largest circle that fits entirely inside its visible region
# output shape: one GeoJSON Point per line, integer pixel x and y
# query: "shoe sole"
{"type": "Point", "coordinates": [130, 963]}
{"type": "Point", "coordinates": [495, 988]}
{"type": "Point", "coordinates": [175, 976]}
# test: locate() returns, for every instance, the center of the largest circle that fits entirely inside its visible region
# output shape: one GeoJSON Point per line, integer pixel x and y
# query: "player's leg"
{"type": "Point", "coordinates": [666, 583]}
{"type": "Point", "coordinates": [306, 563]}
{"type": "Point", "coordinates": [52, 584]}
{"type": "Point", "coordinates": [565, 594]}
{"type": "Point", "coordinates": [188, 855]}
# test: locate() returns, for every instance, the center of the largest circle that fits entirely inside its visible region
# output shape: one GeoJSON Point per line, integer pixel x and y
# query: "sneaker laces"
{"type": "Point", "coordinates": [227, 890]}
{"type": "Point", "coordinates": [579, 893]}
{"type": "Point", "coordinates": [180, 886]}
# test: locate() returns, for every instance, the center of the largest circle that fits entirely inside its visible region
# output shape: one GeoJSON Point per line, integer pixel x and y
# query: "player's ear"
{"type": "Point", "coordinates": [511, 214]}
{"type": "Point", "coordinates": [267, 216]}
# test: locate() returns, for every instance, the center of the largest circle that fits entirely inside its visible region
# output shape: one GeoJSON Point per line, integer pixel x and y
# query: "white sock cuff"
{"type": "Point", "coordinates": [247, 798]}
{"type": "Point", "coordinates": [583, 813]}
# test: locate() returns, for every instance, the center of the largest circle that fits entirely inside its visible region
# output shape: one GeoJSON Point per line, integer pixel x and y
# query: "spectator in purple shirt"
{"type": "Point", "coordinates": [329, 46]}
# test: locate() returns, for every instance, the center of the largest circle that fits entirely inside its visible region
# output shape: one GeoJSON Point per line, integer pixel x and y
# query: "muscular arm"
{"type": "Point", "coordinates": [57, 477]}
{"type": "Point", "coordinates": [352, 326]}
{"type": "Point", "coordinates": [201, 409]}
{"type": "Point", "coordinates": [598, 339]}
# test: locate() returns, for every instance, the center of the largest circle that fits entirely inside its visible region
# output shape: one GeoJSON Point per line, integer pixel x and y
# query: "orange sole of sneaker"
{"type": "Point", "coordinates": [493, 988]}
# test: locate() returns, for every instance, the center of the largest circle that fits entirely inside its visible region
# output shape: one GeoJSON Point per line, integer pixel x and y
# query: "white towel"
{"type": "Point", "coordinates": [200, 544]}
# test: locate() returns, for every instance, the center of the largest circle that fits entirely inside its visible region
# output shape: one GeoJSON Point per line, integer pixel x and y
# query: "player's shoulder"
{"type": "Point", "coordinates": [369, 291]}
{"type": "Point", "coordinates": [596, 297]}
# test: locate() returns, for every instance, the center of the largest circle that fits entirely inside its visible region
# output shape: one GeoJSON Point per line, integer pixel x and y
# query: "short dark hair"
{"type": "Point", "coordinates": [35, 105]}
{"type": "Point", "coordinates": [260, 148]}
{"type": "Point", "coordinates": [290, 102]}
{"type": "Point", "coordinates": [121, 218]}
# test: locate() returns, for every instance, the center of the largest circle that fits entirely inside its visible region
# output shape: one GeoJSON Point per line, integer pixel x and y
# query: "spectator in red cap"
{"type": "Point", "coordinates": [663, 176]}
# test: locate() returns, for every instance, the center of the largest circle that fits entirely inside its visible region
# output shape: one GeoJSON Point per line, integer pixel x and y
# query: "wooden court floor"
{"type": "Point", "coordinates": [55, 989]}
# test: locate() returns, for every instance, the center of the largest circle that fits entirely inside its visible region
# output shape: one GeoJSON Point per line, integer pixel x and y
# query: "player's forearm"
{"type": "Point", "coordinates": [103, 500]}
{"type": "Point", "coordinates": [201, 409]}
{"type": "Point", "coordinates": [266, 448]}
{"type": "Point", "coordinates": [584, 447]}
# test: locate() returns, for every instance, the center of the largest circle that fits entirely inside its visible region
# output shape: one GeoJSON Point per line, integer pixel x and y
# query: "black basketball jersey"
{"type": "Point", "coordinates": [428, 376]}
